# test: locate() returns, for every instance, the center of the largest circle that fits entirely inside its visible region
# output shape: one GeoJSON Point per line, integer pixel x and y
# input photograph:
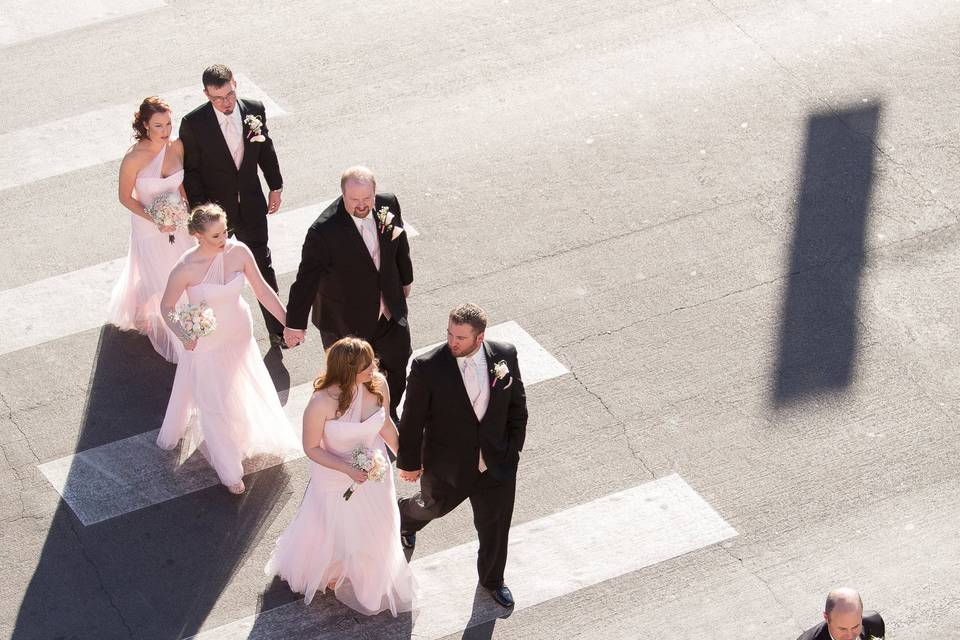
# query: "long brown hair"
{"type": "Point", "coordinates": [345, 359]}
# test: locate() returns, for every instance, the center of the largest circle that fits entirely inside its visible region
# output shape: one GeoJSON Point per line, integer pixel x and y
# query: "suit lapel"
{"type": "Point", "coordinates": [349, 229]}
{"type": "Point", "coordinates": [381, 231]}
{"type": "Point", "coordinates": [496, 386]}
{"type": "Point", "coordinates": [241, 105]}
{"type": "Point", "coordinates": [217, 133]}
{"type": "Point", "coordinates": [491, 355]}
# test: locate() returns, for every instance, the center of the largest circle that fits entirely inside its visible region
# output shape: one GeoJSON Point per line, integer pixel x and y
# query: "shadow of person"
{"type": "Point", "coordinates": [484, 616]}
{"type": "Point", "coordinates": [155, 572]}
{"type": "Point", "coordinates": [281, 613]}
{"type": "Point", "coordinates": [273, 360]}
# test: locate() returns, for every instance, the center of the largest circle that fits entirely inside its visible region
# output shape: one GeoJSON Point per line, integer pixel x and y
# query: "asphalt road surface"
{"type": "Point", "coordinates": [725, 230]}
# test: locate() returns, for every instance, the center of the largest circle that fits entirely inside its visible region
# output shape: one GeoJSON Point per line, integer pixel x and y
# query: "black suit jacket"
{"type": "Point", "coordinates": [338, 278]}
{"type": "Point", "coordinates": [210, 174]}
{"type": "Point", "coordinates": [439, 429]}
{"type": "Point", "coordinates": [872, 626]}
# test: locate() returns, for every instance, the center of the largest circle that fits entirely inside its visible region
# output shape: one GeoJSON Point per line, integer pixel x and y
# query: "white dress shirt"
{"type": "Point", "coordinates": [481, 379]}
{"type": "Point", "coordinates": [477, 384]}
{"type": "Point", "coordinates": [235, 144]}
{"type": "Point", "coordinates": [367, 227]}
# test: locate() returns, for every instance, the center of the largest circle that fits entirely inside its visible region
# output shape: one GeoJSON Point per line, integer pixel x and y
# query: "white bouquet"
{"type": "Point", "coordinates": [168, 210]}
{"type": "Point", "coordinates": [369, 460]}
{"type": "Point", "coordinates": [196, 320]}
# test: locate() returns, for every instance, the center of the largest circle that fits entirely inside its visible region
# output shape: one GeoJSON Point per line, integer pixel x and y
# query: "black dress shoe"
{"type": "Point", "coordinates": [278, 341]}
{"type": "Point", "coordinates": [502, 595]}
{"type": "Point", "coordinates": [408, 540]}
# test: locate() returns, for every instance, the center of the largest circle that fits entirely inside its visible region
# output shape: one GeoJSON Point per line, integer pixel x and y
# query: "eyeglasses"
{"type": "Point", "coordinates": [222, 99]}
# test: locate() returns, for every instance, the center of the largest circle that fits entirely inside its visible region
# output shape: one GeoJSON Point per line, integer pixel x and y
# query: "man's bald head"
{"type": "Point", "coordinates": [843, 599]}
{"type": "Point", "coordinates": [843, 613]}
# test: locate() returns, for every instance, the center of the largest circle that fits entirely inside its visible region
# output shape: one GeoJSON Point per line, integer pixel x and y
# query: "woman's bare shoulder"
{"type": "Point", "coordinates": [323, 404]}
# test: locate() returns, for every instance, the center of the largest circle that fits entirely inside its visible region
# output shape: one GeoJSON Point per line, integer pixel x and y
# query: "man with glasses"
{"type": "Point", "coordinates": [224, 141]}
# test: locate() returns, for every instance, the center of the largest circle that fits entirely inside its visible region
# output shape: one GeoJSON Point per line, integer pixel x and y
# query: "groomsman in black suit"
{"type": "Point", "coordinates": [463, 426]}
{"type": "Point", "coordinates": [844, 619]}
{"type": "Point", "coordinates": [355, 273]}
{"type": "Point", "coordinates": [224, 141]}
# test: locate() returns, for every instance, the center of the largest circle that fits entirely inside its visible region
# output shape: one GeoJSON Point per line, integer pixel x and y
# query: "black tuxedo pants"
{"type": "Point", "coordinates": [256, 240]}
{"type": "Point", "coordinates": [391, 345]}
{"type": "Point", "coordinates": [492, 503]}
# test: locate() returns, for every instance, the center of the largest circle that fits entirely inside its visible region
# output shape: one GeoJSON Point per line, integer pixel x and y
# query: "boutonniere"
{"type": "Point", "coordinates": [385, 218]}
{"type": "Point", "coordinates": [254, 124]}
{"type": "Point", "coordinates": [501, 371]}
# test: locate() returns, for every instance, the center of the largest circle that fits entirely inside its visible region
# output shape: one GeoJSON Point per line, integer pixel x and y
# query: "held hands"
{"type": "Point", "coordinates": [273, 202]}
{"type": "Point", "coordinates": [294, 337]}
{"type": "Point", "coordinates": [411, 476]}
{"type": "Point", "coordinates": [167, 228]}
{"type": "Point", "coordinates": [190, 345]}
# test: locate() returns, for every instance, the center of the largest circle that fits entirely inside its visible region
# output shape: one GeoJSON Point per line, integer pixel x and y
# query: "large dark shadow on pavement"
{"type": "Point", "coordinates": [818, 333]}
{"type": "Point", "coordinates": [152, 573]}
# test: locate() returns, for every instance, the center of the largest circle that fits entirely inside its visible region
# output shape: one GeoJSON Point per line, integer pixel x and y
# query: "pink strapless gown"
{"type": "Point", "coordinates": [355, 542]}
{"type": "Point", "coordinates": [135, 302]}
{"type": "Point", "coordinates": [224, 385]}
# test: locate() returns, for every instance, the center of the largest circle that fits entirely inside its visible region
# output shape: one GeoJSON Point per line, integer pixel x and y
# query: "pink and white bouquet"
{"type": "Point", "coordinates": [196, 320]}
{"type": "Point", "coordinates": [168, 210]}
{"type": "Point", "coordinates": [369, 460]}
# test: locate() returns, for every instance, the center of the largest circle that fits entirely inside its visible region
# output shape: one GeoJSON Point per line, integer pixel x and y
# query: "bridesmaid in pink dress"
{"type": "Point", "coordinates": [350, 546]}
{"type": "Point", "coordinates": [152, 166]}
{"type": "Point", "coordinates": [221, 380]}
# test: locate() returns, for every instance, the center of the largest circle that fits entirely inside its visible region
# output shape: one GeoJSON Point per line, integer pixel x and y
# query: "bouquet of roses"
{"type": "Point", "coordinates": [369, 460]}
{"type": "Point", "coordinates": [196, 320]}
{"type": "Point", "coordinates": [168, 210]}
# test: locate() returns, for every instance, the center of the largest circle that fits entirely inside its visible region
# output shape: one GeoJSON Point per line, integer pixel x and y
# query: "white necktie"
{"type": "Point", "coordinates": [373, 246]}
{"type": "Point", "coordinates": [234, 140]}
{"type": "Point", "coordinates": [473, 392]}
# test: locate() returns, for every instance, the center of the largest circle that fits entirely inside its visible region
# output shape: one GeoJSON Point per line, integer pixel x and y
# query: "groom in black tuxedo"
{"type": "Point", "coordinates": [221, 153]}
{"type": "Point", "coordinates": [463, 426]}
{"type": "Point", "coordinates": [845, 619]}
{"type": "Point", "coordinates": [355, 273]}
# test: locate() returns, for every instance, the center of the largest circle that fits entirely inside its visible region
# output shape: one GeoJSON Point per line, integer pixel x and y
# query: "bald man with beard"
{"type": "Point", "coordinates": [844, 619]}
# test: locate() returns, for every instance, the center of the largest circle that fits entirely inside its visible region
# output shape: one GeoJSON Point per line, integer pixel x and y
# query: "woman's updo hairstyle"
{"type": "Point", "coordinates": [142, 116]}
{"type": "Point", "coordinates": [204, 214]}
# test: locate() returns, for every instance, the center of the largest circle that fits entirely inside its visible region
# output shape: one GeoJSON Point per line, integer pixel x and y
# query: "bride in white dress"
{"type": "Point", "coordinates": [152, 166]}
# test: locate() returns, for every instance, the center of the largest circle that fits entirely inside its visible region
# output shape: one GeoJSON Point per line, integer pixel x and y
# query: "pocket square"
{"type": "Point", "coordinates": [396, 233]}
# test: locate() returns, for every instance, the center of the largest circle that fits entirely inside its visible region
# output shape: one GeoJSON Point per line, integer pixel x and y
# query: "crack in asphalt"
{"type": "Point", "coordinates": [13, 421]}
{"type": "Point", "coordinates": [766, 584]}
{"type": "Point", "coordinates": [807, 269]}
{"type": "Point", "coordinates": [620, 423]}
{"type": "Point", "coordinates": [609, 332]}
{"type": "Point", "coordinates": [100, 582]}
{"type": "Point", "coordinates": [590, 245]}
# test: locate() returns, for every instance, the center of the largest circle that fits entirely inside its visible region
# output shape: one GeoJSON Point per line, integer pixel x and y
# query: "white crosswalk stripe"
{"type": "Point", "coordinates": [21, 21]}
{"type": "Point", "coordinates": [87, 291]}
{"type": "Point", "coordinates": [549, 558]}
{"type": "Point", "coordinates": [130, 474]}
{"type": "Point", "coordinates": [96, 137]}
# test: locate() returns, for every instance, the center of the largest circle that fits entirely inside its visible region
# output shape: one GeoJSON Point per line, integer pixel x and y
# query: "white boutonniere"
{"type": "Point", "coordinates": [254, 124]}
{"type": "Point", "coordinates": [500, 371]}
{"type": "Point", "coordinates": [385, 218]}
